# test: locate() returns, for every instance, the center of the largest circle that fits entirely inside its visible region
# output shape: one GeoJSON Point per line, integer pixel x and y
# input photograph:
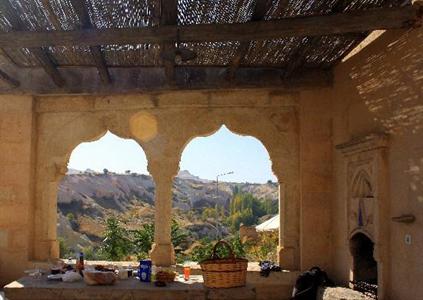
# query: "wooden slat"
{"type": "Point", "coordinates": [341, 23]}
{"type": "Point", "coordinates": [41, 55]}
{"type": "Point", "coordinates": [169, 16]}
{"type": "Point", "coordinates": [259, 12]}
{"type": "Point", "coordinates": [48, 66]}
{"type": "Point", "coordinates": [85, 23]}
{"type": "Point", "coordinates": [52, 16]}
{"type": "Point", "coordinates": [298, 57]}
{"type": "Point", "coordinates": [8, 79]}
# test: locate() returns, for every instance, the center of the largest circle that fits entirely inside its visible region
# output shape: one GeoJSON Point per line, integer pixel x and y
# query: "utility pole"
{"type": "Point", "coordinates": [217, 195]}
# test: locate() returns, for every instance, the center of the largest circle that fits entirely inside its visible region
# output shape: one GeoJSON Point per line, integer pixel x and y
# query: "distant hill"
{"type": "Point", "coordinates": [87, 198]}
{"type": "Point", "coordinates": [184, 174]}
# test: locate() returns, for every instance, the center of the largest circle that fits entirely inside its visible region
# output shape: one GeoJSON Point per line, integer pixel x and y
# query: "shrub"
{"type": "Point", "coordinates": [116, 244]}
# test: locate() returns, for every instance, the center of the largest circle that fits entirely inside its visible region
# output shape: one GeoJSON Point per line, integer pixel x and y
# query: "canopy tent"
{"type": "Point", "coordinates": [269, 225]}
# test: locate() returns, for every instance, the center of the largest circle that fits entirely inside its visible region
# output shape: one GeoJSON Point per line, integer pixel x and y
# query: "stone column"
{"type": "Point", "coordinates": [46, 245]}
{"type": "Point", "coordinates": [288, 249]}
{"type": "Point", "coordinates": [162, 252]}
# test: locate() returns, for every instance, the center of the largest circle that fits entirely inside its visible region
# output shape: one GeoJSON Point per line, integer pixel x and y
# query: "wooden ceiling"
{"type": "Point", "coordinates": [57, 46]}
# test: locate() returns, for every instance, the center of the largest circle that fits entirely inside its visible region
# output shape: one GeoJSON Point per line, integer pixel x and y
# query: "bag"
{"type": "Point", "coordinates": [308, 282]}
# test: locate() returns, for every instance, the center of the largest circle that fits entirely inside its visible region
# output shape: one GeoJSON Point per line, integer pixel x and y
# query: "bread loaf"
{"type": "Point", "coordinates": [99, 278]}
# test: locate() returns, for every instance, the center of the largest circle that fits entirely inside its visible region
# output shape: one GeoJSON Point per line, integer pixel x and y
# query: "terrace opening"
{"type": "Point", "coordinates": [106, 195]}
{"type": "Point", "coordinates": [224, 189]}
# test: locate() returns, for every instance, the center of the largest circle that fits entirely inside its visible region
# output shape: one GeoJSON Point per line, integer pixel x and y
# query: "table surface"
{"type": "Point", "coordinates": [195, 282]}
{"type": "Point", "coordinates": [130, 289]}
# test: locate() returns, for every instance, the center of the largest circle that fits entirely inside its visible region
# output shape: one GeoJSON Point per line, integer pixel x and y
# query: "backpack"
{"type": "Point", "coordinates": [308, 282]}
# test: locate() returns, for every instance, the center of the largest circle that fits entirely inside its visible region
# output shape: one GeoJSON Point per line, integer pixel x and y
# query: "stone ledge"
{"type": "Point", "coordinates": [131, 289]}
{"type": "Point", "coordinates": [278, 286]}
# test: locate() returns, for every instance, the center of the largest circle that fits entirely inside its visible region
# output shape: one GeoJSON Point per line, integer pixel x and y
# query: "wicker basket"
{"type": "Point", "coordinates": [165, 276]}
{"type": "Point", "coordinates": [224, 272]}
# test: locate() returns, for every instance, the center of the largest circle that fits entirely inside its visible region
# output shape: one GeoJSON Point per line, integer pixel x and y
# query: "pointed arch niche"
{"type": "Point", "coordinates": [367, 210]}
{"type": "Point", "coordinates": [216, 158]}
{"type": "Point", "coordinates": [105, 177]}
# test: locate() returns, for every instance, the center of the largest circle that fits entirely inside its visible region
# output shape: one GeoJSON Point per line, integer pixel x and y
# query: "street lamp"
{"type": "Point", "coordinates": [217, 182]}
{"type": "Point", "coordinates": [217, 195]}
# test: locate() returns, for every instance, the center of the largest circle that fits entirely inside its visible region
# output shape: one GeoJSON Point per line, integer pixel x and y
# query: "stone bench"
{"type": "Point", "coordinates": [131, 289]}
{"type": "Point", "coordinates": [278, 286]}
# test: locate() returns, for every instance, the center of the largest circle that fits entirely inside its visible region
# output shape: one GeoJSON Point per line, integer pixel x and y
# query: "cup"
{"type": "Point", "coordinates": [187, 272]}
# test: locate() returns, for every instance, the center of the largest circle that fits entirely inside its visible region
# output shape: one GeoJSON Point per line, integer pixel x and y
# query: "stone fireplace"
{"type": "Point", "coordinates": [366, 213]}
{"type": "Point", "coordinates": [364, 263]}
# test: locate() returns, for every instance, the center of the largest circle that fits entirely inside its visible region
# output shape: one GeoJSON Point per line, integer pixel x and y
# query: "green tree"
{"type": "Point", "coordinates": [116, 244]}
{"type": "Point", "coordinates": [64, 250]}
{"type": "Point", "coordinates": [205, 249]}
{"type": "Point", "coordinates": [143, 238]}
{"type": "Point", "coordinates": [246, 209]}
{"type": "Point", "coordinates": [209, 212]}
{"type": "Point", "coordinates": [70, 217]}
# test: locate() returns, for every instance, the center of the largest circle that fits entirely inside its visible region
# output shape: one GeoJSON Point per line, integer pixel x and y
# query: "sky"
{"type": "Point", "coordinates": [205, 157]}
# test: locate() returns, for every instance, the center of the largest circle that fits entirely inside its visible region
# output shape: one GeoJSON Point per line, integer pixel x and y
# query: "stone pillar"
{"type": "Point", "coordinates": [288, 251]}
{"type": "Point", "coordinates": [162, 252]}
{"type": "Point", "coordinates": [46, 245]}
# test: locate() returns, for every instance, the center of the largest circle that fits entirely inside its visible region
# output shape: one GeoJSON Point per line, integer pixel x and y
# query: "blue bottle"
{"type": "Point", "coordinates": [144, 270]}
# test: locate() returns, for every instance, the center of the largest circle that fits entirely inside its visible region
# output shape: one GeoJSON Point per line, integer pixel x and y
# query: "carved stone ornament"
{"type": "Point", "coordinates": [362, 177]}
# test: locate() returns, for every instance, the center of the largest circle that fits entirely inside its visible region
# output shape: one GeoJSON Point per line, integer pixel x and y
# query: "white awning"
{"type": "Point", "coordinates": [270, 225]}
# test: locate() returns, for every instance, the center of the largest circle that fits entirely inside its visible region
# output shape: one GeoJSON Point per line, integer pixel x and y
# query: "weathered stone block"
{"type": "Point", "coordinates": [240, 293]}
{"type": "Point", "coordinates": [14, 152]}
{"type": "Point", "coordinates": [4, 238]}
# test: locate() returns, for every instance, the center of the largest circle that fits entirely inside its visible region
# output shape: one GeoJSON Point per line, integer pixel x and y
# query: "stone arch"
{"type": "Point", "coordinates": [65, 132]}
{"type": "Point", "coordinates": [362, 249]}
{"type": "Point", "coordinates": [279, 135]}
{"type": "Point", "coordinates": [214, 131]}
{"type": "Point", "coordinates": [362, 186]}
{"type": "Point", "coordinates": [278, 132]}
{"type": "Point", "coordinates": [361, 231]}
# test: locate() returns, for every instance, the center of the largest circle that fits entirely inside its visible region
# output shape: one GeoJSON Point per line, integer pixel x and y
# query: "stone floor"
{"type": "Point", "coordinates": [340, 293]}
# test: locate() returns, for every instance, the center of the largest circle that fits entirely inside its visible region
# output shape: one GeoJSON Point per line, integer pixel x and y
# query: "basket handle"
{"type": "Point", "coordinates": [221, 242]}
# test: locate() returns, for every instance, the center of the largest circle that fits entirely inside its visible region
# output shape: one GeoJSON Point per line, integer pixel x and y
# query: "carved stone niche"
{"type": "Point", "coordinates": [366, 197]}
{"type": "Point", "coordinates": [363, 169]}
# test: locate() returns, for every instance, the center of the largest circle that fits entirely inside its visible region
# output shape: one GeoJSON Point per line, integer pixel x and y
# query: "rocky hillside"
{"type": "Point", "coordinates": [86, 199]}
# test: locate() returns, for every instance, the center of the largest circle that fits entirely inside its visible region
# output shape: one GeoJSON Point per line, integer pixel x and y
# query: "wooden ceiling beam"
{"type": "Point", "coordinates": [8, 79]}
{"type": "Point", "coordinates": [81, 10]}
{"type": "Point", "coordinates": [169, 16]}
{"type": "Point", "coordinates": [260, 9]}
{"type": "Point", "coordinates": [85, 80]}
{"type": "Point", "coordinates": [339, 23]}
{"type": "Point", "coordinates": [40, 54]}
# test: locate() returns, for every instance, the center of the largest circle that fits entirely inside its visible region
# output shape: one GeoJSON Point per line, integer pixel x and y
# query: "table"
{"type": "Point", "coordinates": [28, 288]}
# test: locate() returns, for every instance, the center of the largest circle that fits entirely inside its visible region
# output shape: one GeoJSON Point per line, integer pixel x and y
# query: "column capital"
{"type": "Point", "coordinates": [164, 169]}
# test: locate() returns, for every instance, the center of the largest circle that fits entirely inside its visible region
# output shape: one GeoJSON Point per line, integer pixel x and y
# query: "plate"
{"type": "Point", "coordinates": [54, 277]}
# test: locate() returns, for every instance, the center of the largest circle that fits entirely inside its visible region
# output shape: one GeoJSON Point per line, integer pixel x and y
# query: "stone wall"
{"type": "Point", "coordinates": [45, 134]}
{"type": "Point", "coordinates": [380, 90]}
{"type": "Point", "coordinates": [16, 145]}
